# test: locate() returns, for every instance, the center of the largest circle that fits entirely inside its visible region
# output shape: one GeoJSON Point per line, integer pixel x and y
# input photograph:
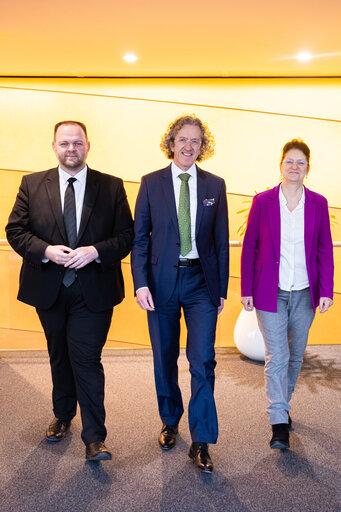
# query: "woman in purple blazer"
{"type": "Point", "coordinates": [286, 272]}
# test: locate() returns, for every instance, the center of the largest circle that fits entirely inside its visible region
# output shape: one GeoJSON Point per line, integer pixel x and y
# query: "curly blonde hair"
{"type": "Point", "coordinates": [207, 139]}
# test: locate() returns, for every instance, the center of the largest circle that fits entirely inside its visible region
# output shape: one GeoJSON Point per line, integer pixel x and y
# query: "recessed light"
{"type": "Point", "coordinates": [304, 56]}
{"type": "Point", "coordinates": [130, 57]}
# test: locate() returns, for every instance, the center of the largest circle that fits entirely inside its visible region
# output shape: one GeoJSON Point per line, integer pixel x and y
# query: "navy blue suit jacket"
{"type": "Point", "coordinates": [156, 246]}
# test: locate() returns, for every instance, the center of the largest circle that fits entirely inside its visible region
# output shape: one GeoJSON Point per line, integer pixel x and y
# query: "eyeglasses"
{"type": "Point", "coordinates": [193, 142]}
{"type": "Point", "coordinates": [291, 161]}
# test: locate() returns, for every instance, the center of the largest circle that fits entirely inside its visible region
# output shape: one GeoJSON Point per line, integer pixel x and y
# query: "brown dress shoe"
{"type": "Point", "coordinates": [97, 451]}
{"type": "Point", "coordinates": [198, 452]}
{"type": "Point", "coordinates": [57, 430]}
{"type": "Point", "coordinates": [167, 437]}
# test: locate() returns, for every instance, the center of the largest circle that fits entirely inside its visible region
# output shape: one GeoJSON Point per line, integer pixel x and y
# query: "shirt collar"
{"type": "Point", "coordinates": [80, 176]}
{"type": "Point", "coordinates": [176, 170]}
{"type": "Point", "coordinates": [283, 200]}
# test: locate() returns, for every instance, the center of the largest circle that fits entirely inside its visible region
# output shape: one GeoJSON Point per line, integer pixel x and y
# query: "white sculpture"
{"type": "Point", "coordinates": [247, 336]}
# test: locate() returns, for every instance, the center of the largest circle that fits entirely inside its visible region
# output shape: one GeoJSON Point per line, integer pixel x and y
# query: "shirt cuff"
{"type": "Point", "coordinates": [141, 288]}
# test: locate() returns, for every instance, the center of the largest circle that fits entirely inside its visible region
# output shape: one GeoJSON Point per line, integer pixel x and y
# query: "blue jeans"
{"type": "Point", "coordinates": [285, 336]}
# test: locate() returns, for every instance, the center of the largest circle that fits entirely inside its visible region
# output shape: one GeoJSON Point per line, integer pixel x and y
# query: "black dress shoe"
{"type": "Point", "coordinates": [57, 430]}
{"type": "Point", "coordinates": [167, 437]}
{"type": "Point", "coordinates": [289, 421]}
{"type": "Point", "coordinates": [97, 451]}
{"type": "Point", "coordinates": [280, 436]}
{"type": "Point", "coordinates": [198, 452]}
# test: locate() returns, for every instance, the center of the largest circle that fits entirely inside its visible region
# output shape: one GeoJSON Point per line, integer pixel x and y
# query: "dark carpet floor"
{"type": "Point", "coordinates": [39, 477]}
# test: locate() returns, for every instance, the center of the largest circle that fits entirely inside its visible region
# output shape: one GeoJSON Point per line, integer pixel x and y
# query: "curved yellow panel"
{"type": "Point", "coordinates": [250, 119]}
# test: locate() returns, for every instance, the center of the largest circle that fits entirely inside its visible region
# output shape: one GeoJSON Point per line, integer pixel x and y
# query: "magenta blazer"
{"type": "Point", "coordinates": [261, 249]}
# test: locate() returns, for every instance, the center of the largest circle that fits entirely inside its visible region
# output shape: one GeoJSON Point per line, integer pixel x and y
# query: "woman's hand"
{"type": "Point", "coordinates": [325, 303]}
{"type": "Point", "coordinates": [247, 303]}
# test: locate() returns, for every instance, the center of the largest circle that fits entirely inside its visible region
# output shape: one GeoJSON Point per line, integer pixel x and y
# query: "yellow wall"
{"type": "Point", "coordinates": [251, 119]}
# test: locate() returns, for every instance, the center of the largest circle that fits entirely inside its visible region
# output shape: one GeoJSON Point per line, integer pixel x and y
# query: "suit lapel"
{"type": "Point", "coordinates": [53, 193]}
{"type": "Point", "coordinates": [91, 191]}
{"type": "Point", "coordinates": [309, 221]}
{"type": "Point", "coordinates": [168, 190]}
{"type": "Point", "coordinates": [274, 214]}
{"type": "Point", "coordinates": [201, 196]}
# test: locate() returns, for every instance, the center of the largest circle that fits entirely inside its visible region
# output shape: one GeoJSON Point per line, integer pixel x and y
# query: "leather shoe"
{"type": "Point", "coordinates": [57, 430]}
{"type": "Point", "coordinates": [198, 452]}
{"type": "Point", "coordinates": [167, 437]}
{"type": "Point", "coordinates": [97, 451]}
{"type": "Point", "coordinates": [280, 436]}
{"type": "Point", "coordinates": [289, 421]}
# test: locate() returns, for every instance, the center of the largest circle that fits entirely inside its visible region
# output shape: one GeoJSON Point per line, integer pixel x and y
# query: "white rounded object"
{"type": "Point", "coordinates": [247, 336]}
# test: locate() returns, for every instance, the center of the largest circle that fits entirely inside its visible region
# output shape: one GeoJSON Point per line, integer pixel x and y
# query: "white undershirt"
{"type": "Point", "coordinates": [292, 268]}
{"type": "Point", "coordinates": [192, 184]}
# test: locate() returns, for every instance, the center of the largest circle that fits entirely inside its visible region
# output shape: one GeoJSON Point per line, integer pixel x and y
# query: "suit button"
{"type": "Point", "coordinates": [178, 243]}
{"type": "Point", "coordinates": [175, 266]}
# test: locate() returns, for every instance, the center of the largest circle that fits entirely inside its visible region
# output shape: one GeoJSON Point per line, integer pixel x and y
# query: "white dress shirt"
{"type": "Point", "coordinates": [192, 184]}
{"type": "Point", "coordinates": [292, 268]}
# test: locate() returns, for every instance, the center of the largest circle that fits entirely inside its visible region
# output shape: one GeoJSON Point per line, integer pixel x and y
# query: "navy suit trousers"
{"type": "Point", "coordinates": [190, 294]}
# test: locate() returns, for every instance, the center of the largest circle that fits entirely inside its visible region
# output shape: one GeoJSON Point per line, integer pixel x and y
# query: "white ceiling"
{"type": "Point", "coordinates": [184, 38]}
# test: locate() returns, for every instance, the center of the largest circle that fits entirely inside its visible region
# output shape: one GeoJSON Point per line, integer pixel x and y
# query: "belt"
{"type": "Point", "coordinates": [188, 262]}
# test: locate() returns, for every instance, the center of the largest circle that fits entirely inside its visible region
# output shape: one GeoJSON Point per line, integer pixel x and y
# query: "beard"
{"type": "Point", "coordinates": [72, 161]}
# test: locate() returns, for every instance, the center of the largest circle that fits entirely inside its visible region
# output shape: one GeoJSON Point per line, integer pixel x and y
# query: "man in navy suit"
{"type": "Point", "coordinates": [180, 259]}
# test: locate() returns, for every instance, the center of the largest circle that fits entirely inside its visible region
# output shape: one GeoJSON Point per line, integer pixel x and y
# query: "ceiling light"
{"type": "Point", "coordinates": [307, 56]}
{"type": "Point", "coordinates": [304, 56]}
{"type": "Point", "coordinates": [130, 57]}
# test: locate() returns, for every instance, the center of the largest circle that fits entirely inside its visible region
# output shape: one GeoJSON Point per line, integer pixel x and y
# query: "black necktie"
{"type": "Point", "coordinates": [70, 223]}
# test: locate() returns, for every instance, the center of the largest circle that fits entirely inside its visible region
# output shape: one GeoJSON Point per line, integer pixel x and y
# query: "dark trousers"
{"type": "Point", "coordinates": [75, 338]}
{"type": "Point", "coordinates": [200, 313]}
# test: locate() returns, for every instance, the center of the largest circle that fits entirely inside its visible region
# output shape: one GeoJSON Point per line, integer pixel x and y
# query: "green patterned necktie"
{"type": "Point", "coordinates": [184, 215]}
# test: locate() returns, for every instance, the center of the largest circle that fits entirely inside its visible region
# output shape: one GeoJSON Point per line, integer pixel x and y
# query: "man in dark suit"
{"type": "Point", "coordinates": [72, 226]}
{"type": "Point", "coordinates": [180, 259]}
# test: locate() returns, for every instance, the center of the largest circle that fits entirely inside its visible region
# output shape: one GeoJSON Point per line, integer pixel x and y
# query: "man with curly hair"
{"type": "Point", "coordinates": [180, 260]}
